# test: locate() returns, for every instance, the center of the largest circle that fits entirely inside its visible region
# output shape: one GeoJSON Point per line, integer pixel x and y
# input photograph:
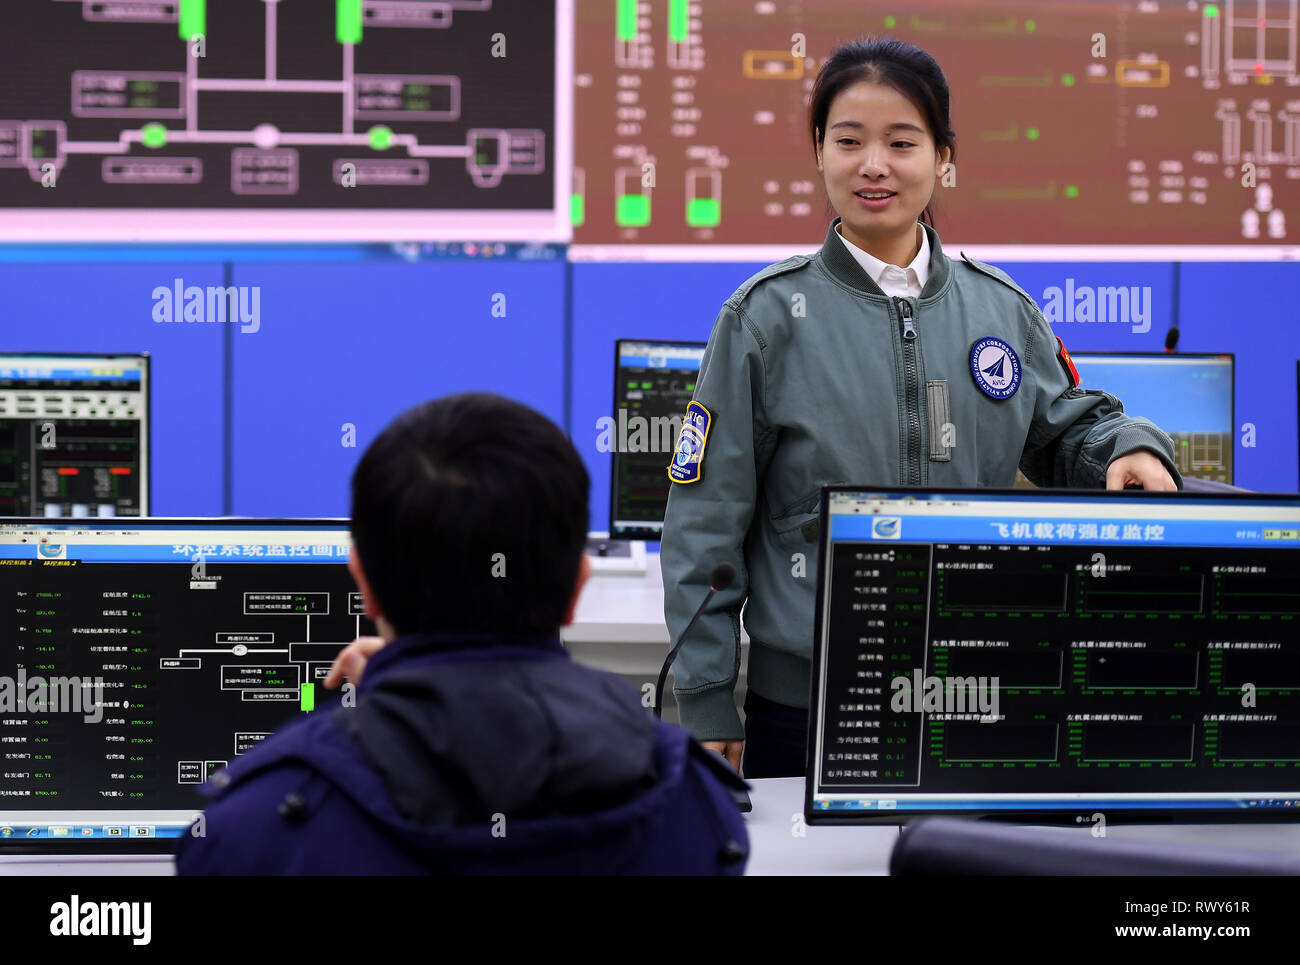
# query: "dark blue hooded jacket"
{"type": "Point", "coordinates": [474, 756]}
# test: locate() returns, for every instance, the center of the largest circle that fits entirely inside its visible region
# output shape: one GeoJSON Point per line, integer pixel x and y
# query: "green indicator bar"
{"type": "Point", "coordinates": [677, 21]}
{"type": "Point", "coordinates": [308, 696]}
{"type": "Point", "coordinates": [625, 23]}
{"type": "Point", "coordinates": [703, 212]}
{"type": "Point", "coordinates": [347, 21]}
{"type": "Point", "coordinates": [632, 210]}
{"type": "Point", "coordinates": [577, 209]}
{"type": "Point", "coordinates": [193, 18]}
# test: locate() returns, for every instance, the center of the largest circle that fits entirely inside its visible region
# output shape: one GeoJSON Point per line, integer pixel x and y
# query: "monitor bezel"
{"type": "Point", "coordinates": [146, 360]}
{"type": "Point", "coordinates": [1071, 818]}
{"type": "Point", "coordinates": [643, 534]}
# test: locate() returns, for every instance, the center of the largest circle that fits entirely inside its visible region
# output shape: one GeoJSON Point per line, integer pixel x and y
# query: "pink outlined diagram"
{"type": "Point", "coordinates": [265, 160]}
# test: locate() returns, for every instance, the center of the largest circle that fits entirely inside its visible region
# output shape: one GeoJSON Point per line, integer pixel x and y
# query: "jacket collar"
{"type": "Point", "coordinates": [840, 263]}
{"type": "Point", "coordinates": [446, 646]}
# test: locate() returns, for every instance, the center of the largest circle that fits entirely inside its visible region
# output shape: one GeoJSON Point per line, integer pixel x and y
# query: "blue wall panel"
{"type": "Point", "coordinates": [1039, 278]}
{"type": "Point", "coordinates": [1252, 310]}
{"type": "Point", "coordinates": [69, 307]}
{"type": "Point", "coordinates": [359, 342]}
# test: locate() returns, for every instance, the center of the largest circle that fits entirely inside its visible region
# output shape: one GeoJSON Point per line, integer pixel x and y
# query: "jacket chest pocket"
{"type": "Point", "coordinates": [799, 529]}
{"type": "Point", "coordinates": [800, 523]}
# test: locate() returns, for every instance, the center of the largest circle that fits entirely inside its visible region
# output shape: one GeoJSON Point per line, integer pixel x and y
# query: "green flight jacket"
{"type": "Point", "coordinates": [813, 375]}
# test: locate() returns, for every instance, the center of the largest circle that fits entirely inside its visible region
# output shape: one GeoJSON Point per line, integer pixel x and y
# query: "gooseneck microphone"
{"type": "Point", "coordinates": [719, 579]}
{"type": "Point", "coordinates": [722, 576]}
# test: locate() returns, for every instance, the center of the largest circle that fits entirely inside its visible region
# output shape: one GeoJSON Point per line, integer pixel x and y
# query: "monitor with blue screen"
{"type": "Point", "coordinates": [139, 657]}
{"type": "Point", "coordinates": [1189, 396]}
{"type": "Point", "coordinates": [653, 383]}
{"type": "Point", "coordinates": [1051, 655]}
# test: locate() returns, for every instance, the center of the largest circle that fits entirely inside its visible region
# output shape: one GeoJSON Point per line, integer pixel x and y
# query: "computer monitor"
{"type": "Point", "coordinates": [653, 382]}
{"type": "Point", "coordinates": [1051, 656]}
{"type": "Point", "coordinates": [74, 435]}
{"type": "Point", "coordinates": [147, 655]}
{"type": "Point", "coordinates": [1189, 396]}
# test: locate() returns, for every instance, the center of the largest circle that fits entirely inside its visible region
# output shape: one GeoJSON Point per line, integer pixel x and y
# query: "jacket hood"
{"type": "Point", "coordinates": [497, 757]}
{"type": "Point", "coordinates": [527, 736]}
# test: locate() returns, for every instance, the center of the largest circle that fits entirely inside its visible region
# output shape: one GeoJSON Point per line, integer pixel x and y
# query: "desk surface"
{"type": "Point", "coordinates": [780, 844]}
{"type": "Point", "coordinates": [617, 608]}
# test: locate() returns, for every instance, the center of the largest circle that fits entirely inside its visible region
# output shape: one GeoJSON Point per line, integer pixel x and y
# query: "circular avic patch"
{"type": "Point", "coordinates": [996, 367]}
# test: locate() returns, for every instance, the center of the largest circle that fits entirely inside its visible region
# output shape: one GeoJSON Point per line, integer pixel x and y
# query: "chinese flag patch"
{"type": "Point", "coordinates": [1067, 363]}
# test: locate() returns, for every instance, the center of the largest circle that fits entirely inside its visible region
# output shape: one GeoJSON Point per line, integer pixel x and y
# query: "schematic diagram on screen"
{"type": "Point", "coordinates": [269, 657]}
{"type": "Point", "coordinates": [280, 103]}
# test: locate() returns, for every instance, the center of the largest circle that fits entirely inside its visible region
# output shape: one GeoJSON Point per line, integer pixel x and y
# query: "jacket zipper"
{"type": "Point", "coordinates": [909, 370]}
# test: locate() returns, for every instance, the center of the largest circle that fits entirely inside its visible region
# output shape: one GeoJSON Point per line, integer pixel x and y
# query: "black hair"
{"type": "Point", "coordinates": [906, 68]}
{"type": "Point", "coordinates": [469, 513]}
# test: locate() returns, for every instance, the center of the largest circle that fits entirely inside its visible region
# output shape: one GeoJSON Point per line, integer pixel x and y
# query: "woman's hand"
{"type": "Point", "coordinates": [351, 661]}
{"type": "Point", "coordinates": [1143, 468]}
{"type": "Point", "coordinates": [730, 750]}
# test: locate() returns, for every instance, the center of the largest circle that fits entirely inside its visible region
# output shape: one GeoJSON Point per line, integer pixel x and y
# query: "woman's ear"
{"type": "Point", "coordinates": [942, 159]}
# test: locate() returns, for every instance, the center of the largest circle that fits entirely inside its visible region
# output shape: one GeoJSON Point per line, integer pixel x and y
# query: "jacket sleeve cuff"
{"type": "Point", "coordinates": [711, 715]}
{"type": "Point", "coordinates": [1132, 438]}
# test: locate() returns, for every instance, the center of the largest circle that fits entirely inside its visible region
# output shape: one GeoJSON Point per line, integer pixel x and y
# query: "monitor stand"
{"type": "Point", "coordinates": [616, 556]}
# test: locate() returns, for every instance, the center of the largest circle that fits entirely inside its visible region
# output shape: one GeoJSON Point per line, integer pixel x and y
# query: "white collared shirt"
{"type": "Point", "coordinates": [895, 281]}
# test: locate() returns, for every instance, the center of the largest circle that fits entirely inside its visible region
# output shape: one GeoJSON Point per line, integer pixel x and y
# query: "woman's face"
{"type": "Point", "coordinates": [877, 142]}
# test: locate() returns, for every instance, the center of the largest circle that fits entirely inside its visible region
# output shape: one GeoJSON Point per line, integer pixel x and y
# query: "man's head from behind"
{"type": "Point", "coordinates": [469, 513]}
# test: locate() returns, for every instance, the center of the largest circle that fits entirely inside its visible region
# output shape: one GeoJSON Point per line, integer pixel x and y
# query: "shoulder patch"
{"type": "Point", "coordinates": [1000, 275]}
{"type": "Point", "coordinates": [794, 263]}
{"type": "Point", "coordinates": [1067, 363]}
{"type": "Point", "coordinates": [688, 456]}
